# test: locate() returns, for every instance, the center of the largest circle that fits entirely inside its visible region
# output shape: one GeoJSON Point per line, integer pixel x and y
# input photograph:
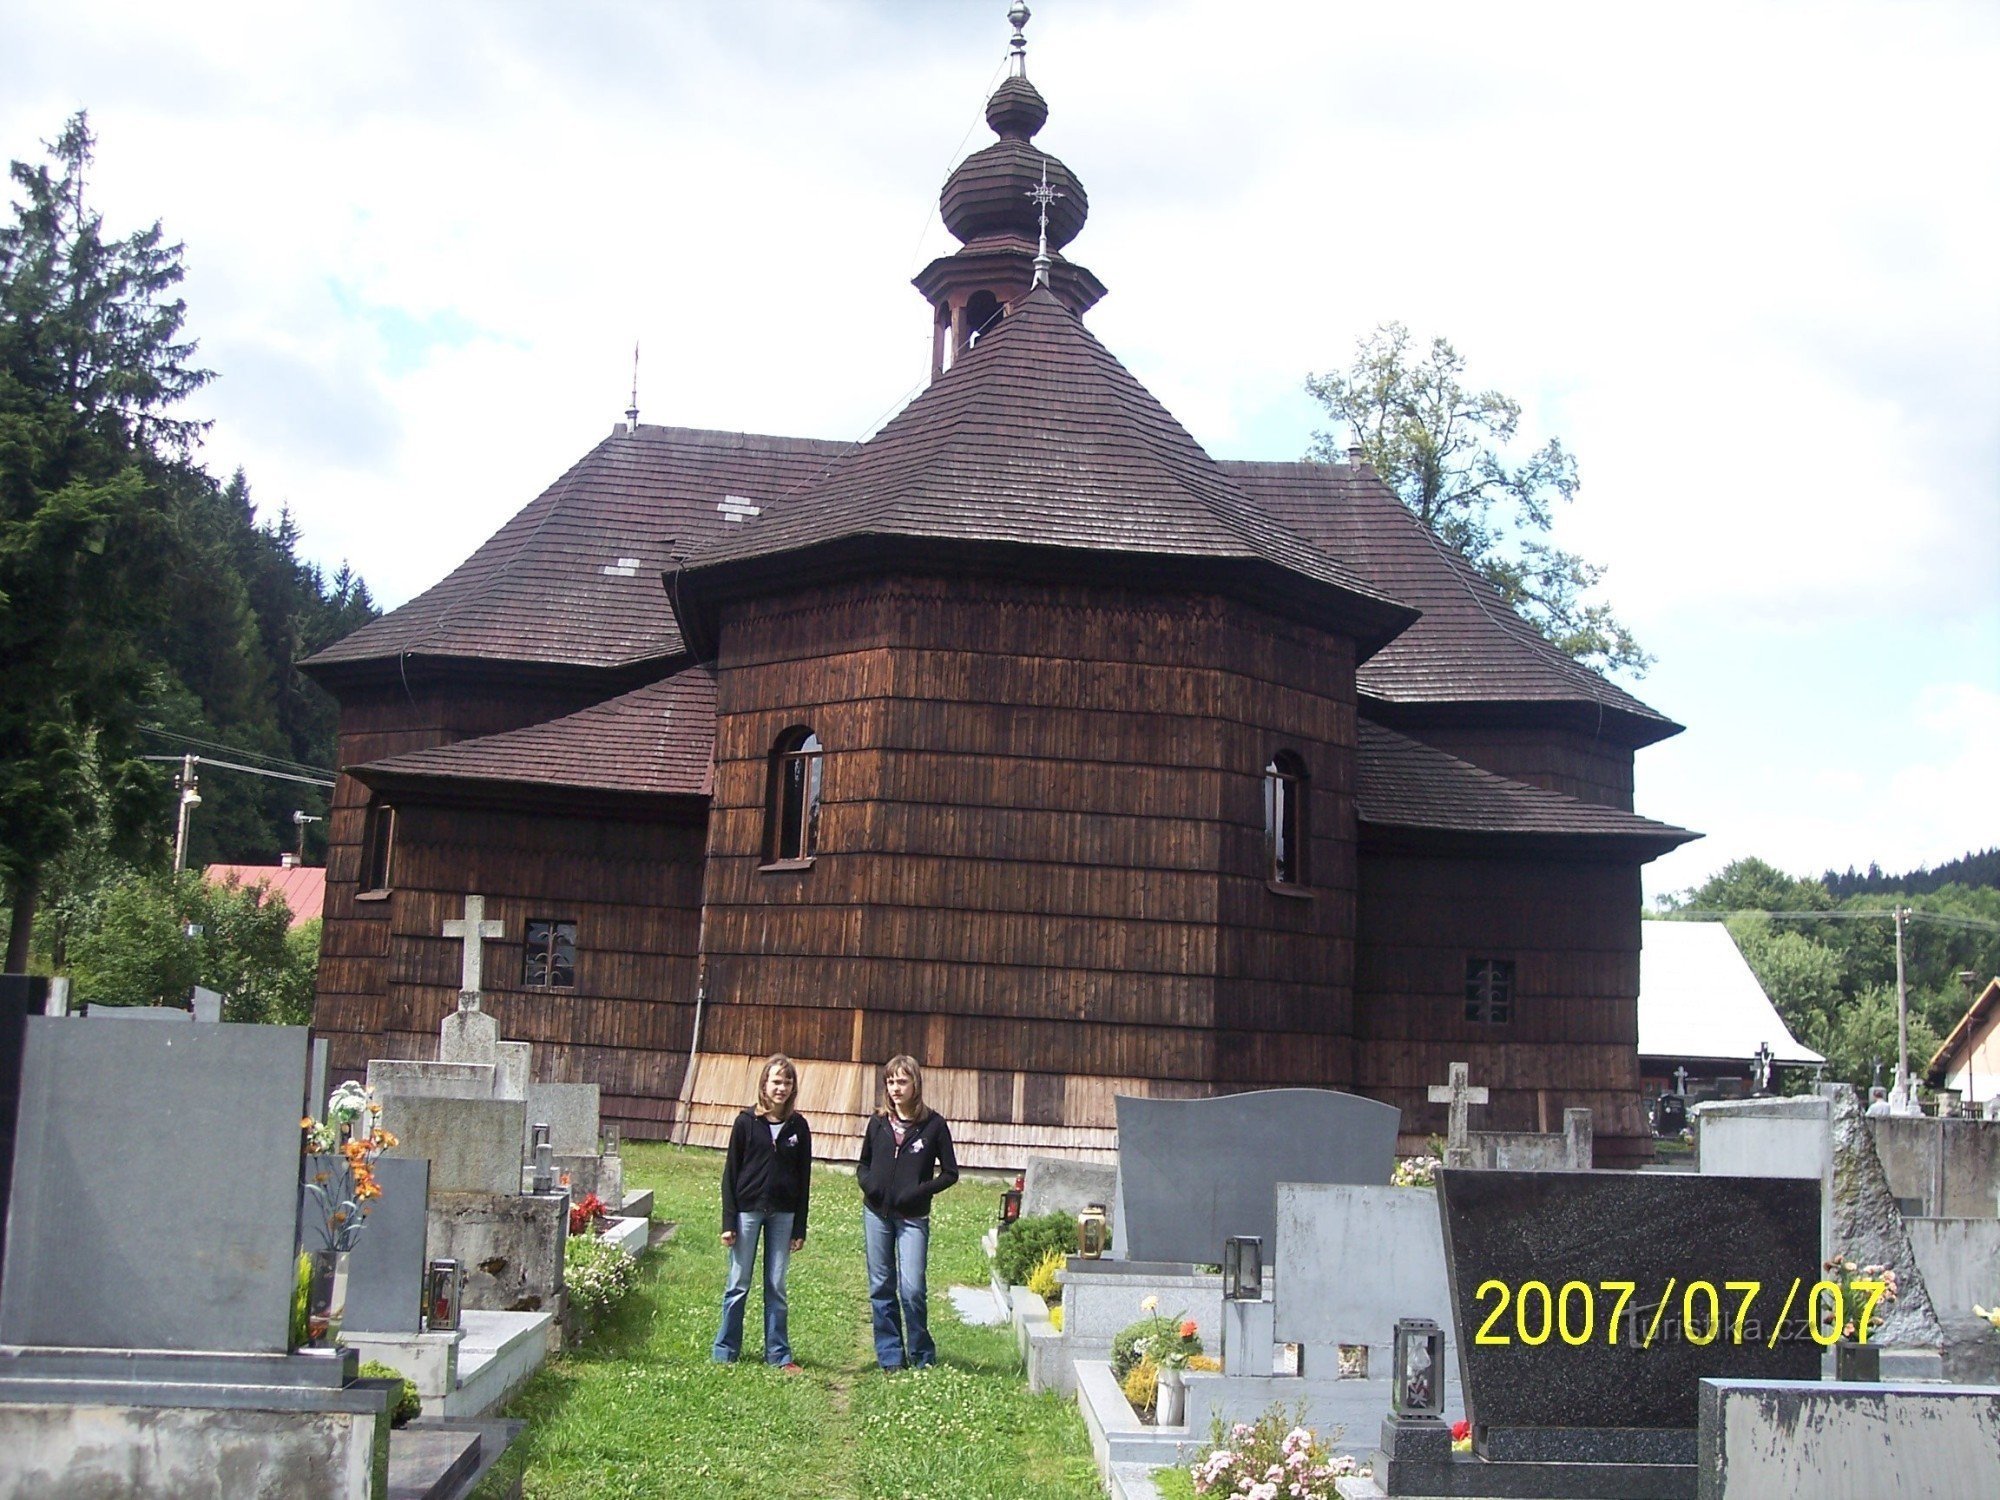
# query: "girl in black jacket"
{"type": "Point", "coordinates": [766, 1189]}
{"type": "Point", "coordinates": [906, 1160]}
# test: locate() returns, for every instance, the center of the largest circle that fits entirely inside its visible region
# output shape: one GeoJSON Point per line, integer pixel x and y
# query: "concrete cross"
{"type": "Point", "coordinates": [1460, 1095]}
{"type": "Point", "coordinates": [470, 930]}
{"type": "Point", "coordinates": [1681, 1081]}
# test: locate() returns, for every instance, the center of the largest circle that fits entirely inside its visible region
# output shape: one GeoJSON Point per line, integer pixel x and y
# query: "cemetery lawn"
{"type": "Point", "coordinates": [640, 1409]}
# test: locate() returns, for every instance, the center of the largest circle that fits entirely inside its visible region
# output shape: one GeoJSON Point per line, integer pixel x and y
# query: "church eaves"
{"type": "Point", "coordinates": [1036, 453]}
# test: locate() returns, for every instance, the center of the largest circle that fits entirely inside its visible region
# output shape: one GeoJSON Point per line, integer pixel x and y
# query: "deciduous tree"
{"type": "Point", "coordinates": [1441, 447]}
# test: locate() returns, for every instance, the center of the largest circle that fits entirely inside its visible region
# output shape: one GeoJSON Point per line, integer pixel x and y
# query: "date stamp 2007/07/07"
{"type": "Point", "coordinates": [1695, 1312]}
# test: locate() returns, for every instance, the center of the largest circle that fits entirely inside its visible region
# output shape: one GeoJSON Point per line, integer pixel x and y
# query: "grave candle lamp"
{"type": "Point", "coordinates": [1090, 1232]}
{"type": "Point", "coordinates": [1010, 1206]}
{"type": "Point", "coordinates": [545, 1160]}
{"type": "Point", "coordinates": [444, 1292]}
{"type": "Point", "coordinates": [1418, 1387]}
{"type": "Point", "coordinates": [1243, 1268]}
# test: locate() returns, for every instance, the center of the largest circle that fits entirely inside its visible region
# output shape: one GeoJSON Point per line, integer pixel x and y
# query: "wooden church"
{"type": "Point", "coordinates": [1023, 737]}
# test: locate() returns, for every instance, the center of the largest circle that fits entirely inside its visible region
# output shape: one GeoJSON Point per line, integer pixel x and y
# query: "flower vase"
{"type": "Point", "coordinates": [1170, 1404]}
{"type": "Point", "coordinates": [1854, 1361]}
{"type": "Point", "coordinates": [326, 1297]}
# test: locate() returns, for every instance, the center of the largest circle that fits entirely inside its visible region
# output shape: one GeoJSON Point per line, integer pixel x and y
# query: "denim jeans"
{"type": "Point", "coordinates": [776, 1230]}
{"type": "Point", "coordinates": [898, 1249]}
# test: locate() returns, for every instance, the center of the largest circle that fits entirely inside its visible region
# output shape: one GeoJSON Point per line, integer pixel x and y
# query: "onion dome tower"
{"type": "Point", "coordinates": [994, 205]}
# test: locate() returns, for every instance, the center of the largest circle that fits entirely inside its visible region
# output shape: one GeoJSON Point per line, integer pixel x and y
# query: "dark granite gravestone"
{"type": "Point", "coordinates": [1549, 1374]}
{"type": "Point", "coordinates": [156, 1185]}
{"type": "Point", "coordinates": [21, 996]}
{"type": "Point", "coordinates": [385, 1272]}
{"type": "Point", "coordinates": [1193, 1172]}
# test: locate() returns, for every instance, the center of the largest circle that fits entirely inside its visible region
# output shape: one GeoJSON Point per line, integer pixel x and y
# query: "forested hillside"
{"type": "Point", "coordinates": [147, 609]}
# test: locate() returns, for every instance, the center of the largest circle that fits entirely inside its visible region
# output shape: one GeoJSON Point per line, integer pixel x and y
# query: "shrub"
{"type": "Point", "coordinates": [1277, 1454]}
{"type": "Point", "coordinates": [1162, 1341]}
{"type": "Point", "coordinates": [1042, 1280]}
{"type": "Point", "coordinates": [1208, 1364]}
{"type": "Point", "coordinates": [1141, 1385]}
{"type": "Point", "coordinates": [1056, 1316]}
{"type": "Point", "coordinates": [407, 1403]}
{"type": "Point", "coordinates": [1024, 1242]}
{"type": "Point", "coordinates": [596, 1273]}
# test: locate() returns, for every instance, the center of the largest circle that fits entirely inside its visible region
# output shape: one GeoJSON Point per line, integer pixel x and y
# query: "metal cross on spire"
{"type": "Point", "coordinates": [1043, 196]}
{"type": "Point", "coordinates": [632, 411]}
{"type": "Point", "coordinates": [1017, 65]}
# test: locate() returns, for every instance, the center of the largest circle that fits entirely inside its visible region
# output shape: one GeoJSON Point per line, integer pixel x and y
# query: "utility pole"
{"type": "Point", "coordinates": [1903, 1101]}
{"type": "Point", "coordinates": [190, 800]}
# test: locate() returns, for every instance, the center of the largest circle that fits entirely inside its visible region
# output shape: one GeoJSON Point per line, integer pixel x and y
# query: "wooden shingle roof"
{"type": "Point", "coordinates": [656, 741]}
{"type": "Point", "coordinates": [574, 578]}
{"type": "Point", "coordinates": [1039, 439]}
{"type": "Point", "coordinates": [1469, 647]}
{"type": "Point", "coordinates": [1401, 783]}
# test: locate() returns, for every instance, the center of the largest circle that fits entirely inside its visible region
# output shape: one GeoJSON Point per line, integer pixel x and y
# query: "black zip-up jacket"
{"type": "Point", "coordinates": [759, 1175]}
{"type": "Point", "coordinates": [903, 1181]}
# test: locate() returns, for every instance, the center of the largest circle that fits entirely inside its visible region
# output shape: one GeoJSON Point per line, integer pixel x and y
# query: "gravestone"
{"type": "Point", "coordinates": [473, 1145]}
{"type": "Point", "coordinates": [1056, 1184]}
{"type": "Point", "coordinates": [1567, 1375]}
{"type": "Point", "coordinates": [1352, 1260]}
{"type": "Point", "coordinates": [1460, 1095]}
{"type": "Point", "coordinates": [430, 1080]}
{"type": "Point", "coordinates": [570, 1112]}
{"type": "Point", "coordinates": [206, 1004]}
{"type": "Point", "coordinates": [385, 1272]}
{"type": "Point", "coordinates": [1192, 1172]}
{"type": "Point", "coordinates": [113, 1240]}
{"type": "Point", "coordinates": [470, 1035]}
{"type": "Point", "coordinates": [21, 996]}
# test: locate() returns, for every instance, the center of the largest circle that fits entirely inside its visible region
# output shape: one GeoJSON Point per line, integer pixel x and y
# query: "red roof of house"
{"type": "Point", "coordinates": [301, 887]}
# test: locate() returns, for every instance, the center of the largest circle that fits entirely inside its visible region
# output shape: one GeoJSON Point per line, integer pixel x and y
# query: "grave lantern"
{"type": "Point", "coordinates": [1418, 1387]}
{"type": "Point", "coordinates": [1010, 1206]}
{"type": "Point", "coordinates": [1090, 1232]}
{"type": "Point", "coordinates": [444, 1291]}
{"type": "Point", "coordinates": [1243, 1268]}
{"type": "Point", "coordinates": [545, 1160]}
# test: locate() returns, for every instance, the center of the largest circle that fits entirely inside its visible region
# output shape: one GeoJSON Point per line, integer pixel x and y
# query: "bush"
{"type": "Point", "coordinates": [407, 1403]}
{"type": "Point", "coordinates": [1042, 1280]}
{"type": "Point", "coordinates": [1056, 1316]}
{"type": "Point", "coordinates": [1141, 1385]}
{"type": "Point", "coordinates": [596, 1273]}
{"type": "Point", "coordinates": [1024, 1242]}
{"type": "Point", "coordinates": [1130, 1347]}
{"type": "Point", "coordinates": [1278, 1445]}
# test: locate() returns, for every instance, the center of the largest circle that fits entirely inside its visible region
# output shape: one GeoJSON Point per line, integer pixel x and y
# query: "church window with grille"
{"type": "Point", "coordinates": [792, 802]}
{"type": "Point", "coordinates": [1489, 990]}
{"type": "Point", "coordinates": [551, 955]}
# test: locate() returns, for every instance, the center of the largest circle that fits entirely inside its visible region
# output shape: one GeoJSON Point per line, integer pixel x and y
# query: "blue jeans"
{"type": "Point", "coordinates": [898, 1249]}
{"type": "Point", "coordinates": [776, 1229]}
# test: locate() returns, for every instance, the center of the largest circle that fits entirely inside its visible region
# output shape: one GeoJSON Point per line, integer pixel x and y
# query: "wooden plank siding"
{"type": "Point", "coordinates": [1041, 858]}
{"type": "Point", "coordinates": [1571, 929]}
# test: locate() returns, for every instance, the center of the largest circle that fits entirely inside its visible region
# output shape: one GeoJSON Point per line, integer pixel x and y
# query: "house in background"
{"type": "Point", "coordinates": [1969, 1060]}
{"type": "Point", "coordinates": [302, 887]}
{"type": "Point", "coordinates": [1702, 1009]}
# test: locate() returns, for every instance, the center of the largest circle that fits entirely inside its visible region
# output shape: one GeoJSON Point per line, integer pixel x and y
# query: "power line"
{"type": "Point", "coordinates": [227, 765]}
{"type": "Point", "coordinates": [1911, 914]}
{"type": "Point", "coordinates": [201, 744]}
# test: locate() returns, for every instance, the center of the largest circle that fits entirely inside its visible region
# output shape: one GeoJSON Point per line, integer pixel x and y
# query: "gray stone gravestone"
{"type": "Point", "coordinates": [385, 1273]}
{"type": "Point", "coordinates": [473, 1145]}
{"type": "Point", "coordinates": [570, 1112]}
{"type": "Point", "coordinates": [1192, 1172]}
{"type": "Point", "coordinates": [206, 1004]}
{"type": "Point", "coordinates": [1562, 1366]}
{"type": "Point", "coordinates": [1055, 1183]}
{"type": "Point", "coordinates": [430, 1080]}
{"type": "Point", "coordinates": [1352, 1260]}
{"type": "Point", "coordinates": [113, 1241]}
{"type": "Point", "coordinates": [21, 996]}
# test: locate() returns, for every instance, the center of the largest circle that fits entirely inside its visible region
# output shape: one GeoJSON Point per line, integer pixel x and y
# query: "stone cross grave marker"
{"type": "Point", "coordinates": [1460, 1095]}
{"type": "Point", "coordinates": [469, 1034]}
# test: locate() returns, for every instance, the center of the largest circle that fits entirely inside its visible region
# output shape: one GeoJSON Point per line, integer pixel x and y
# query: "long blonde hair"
{"type": "Point", "coordinates": [766, 1106]}
{"type": "Point", "coordinates": [903, 1063]}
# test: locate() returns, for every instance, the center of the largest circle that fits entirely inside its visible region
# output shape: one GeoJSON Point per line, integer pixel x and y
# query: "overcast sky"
{"type": "Point", "coordinates": [1740, 258]}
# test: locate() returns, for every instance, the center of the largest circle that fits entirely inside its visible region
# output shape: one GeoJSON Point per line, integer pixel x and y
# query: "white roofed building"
{"type": "Point", "coordinates": [1702, 1009]}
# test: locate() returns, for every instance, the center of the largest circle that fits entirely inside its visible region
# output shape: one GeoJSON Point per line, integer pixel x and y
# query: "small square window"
{"type": "Point", "coordinates": [551, 955]}
{"type": "Point", "coordinates": [1489, 990]}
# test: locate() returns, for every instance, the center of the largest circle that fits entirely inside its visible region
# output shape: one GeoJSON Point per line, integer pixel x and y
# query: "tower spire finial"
{"type": "Point", "coordinates": [1017, 65]}
{"type": "Point", "coordinates": [632, 411]}
{"type": "Point", "coordinates": [1043, 196]}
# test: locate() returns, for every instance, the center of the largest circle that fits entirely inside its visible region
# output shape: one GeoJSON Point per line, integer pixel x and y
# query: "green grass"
{"type": "Point", "coordinates": [641, 1410]}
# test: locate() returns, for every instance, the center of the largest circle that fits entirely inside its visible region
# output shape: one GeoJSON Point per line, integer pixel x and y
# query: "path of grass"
{"type": "Point", "coordinates": [642, 1411]}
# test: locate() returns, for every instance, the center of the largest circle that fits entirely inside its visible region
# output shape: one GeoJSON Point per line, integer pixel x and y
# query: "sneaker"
{"type": "Point", "coordinates": [792, 1367]}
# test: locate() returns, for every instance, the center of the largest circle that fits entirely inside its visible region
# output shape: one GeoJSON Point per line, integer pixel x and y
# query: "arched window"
{"type": "Point", "coordinates": [791, 808]}
{"type": "Point", "coordinates": [982, 314]}
{"type": "Point", "coordinates": [1285, 818]}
